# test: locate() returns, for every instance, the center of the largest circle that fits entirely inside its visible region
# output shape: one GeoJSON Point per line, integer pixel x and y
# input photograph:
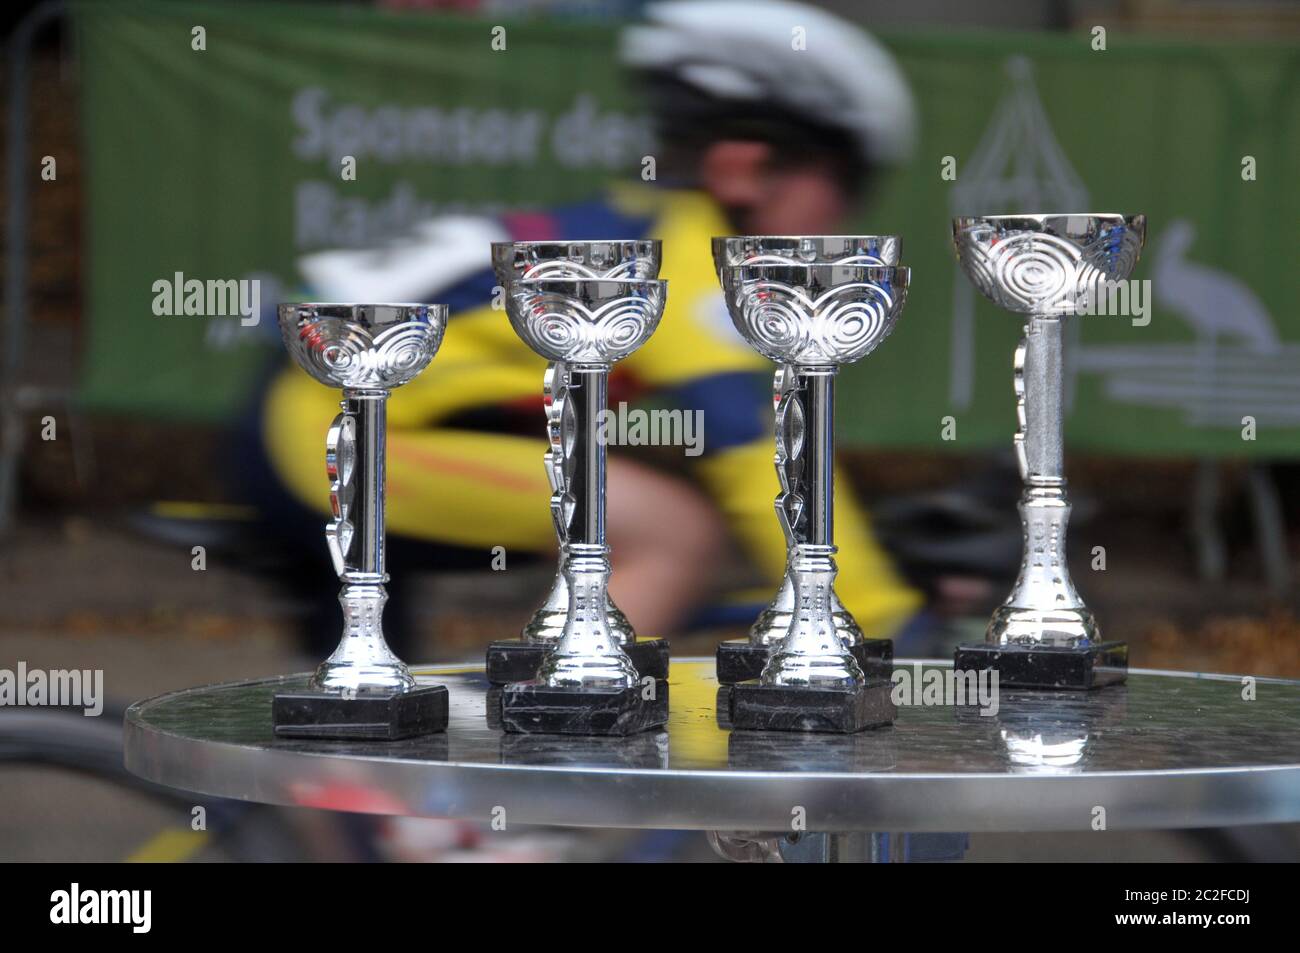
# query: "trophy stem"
{"type": "Point", "coordinates": [1044, 608]}
{"type": "Point", "coordinates": [588, 654]}
{"type": "Point", "coordinates": [355, 455]}
{"type": "Point", "coordinates": [794, 463]}
{"type": "Point", "coordinates": [1040, 402]}
{"type": "Point", "coordinates": [812, 652]}
{"type": "Point", "coordinates": [370, 411]}
{"type": "Point", "coordinates": [804, 398]}
{"type": "Point", "coordinates": [819, 453]}
{"type": "Point", "coordinates": [587, 525]}
{"type": "Point", "coordinates": [547, 623]}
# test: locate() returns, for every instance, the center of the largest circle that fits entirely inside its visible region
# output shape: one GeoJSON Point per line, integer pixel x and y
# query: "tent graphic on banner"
{"type": "Point", "coordinates": [1235, 366]}
{"type": "Point", "coordinates": [1018, 166]}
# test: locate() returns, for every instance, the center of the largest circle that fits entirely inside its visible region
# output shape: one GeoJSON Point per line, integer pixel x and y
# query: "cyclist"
{"type": "Point", "coordinates": [756, 136]}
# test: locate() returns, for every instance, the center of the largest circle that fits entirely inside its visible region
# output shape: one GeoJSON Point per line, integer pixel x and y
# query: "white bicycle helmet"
{"type": "Point", "coordinates": [742, 55]}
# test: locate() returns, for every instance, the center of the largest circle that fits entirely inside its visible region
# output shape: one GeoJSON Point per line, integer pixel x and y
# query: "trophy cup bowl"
{"type": "Point", "coordinates": [362, 346]}
{"type": "Point", "coordinates": [1046, 267]}
{"type": "Point", "coordinates": [512, 261]}
{"type": "Point", "coordinates": [585, 321]}
{"type": "Point", "coordinates": [879, 250]}
{"type": "Point", "coordinates": [362, 691]}
{"type": "Point", "coordinates": [815, 315]}
{"type": "Point", "coordinates": [1046, 264]}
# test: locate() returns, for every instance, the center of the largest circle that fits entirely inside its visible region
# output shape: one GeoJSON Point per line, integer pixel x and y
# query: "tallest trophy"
{"type": "Point", "coordinates": [1045, 267]}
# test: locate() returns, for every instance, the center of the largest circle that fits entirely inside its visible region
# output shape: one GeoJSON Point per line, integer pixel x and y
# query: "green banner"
{"type": "Point", "coordinates": [223, 162]}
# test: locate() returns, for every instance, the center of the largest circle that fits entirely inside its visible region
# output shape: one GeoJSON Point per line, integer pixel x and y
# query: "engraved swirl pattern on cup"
{"type": "Point", "coordinates": [1047, 264]}
{"type": "Point", "coordinates": [1035, 272]}
{"type": "Point", "coordinates": [585, 321]}
{"type": "Point", "coordinates": [853, 319]}
{"type": "Point", "coordinates": [775, 318]}
{"type": "Point", "coordinates": [362, 346]}
{"type": "Point", "coordinates": [776, 311]}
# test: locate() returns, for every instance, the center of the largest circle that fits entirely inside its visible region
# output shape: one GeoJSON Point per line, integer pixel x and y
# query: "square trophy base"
{"type": "Point", "coordinates": [739, 660]}
{"type": "Point", "coordinates": [514, 660]}
{"type": "Point", "coordinates": [531, 708]}
{"type": "Point", "coordinates": [1078, 668]}
{"type": "Point", "coordinates": [369, 716]}
{"type": "Point", "coordinates": [757, 707]}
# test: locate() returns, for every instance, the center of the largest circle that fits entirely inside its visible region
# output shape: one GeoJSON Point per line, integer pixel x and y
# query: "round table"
{"type": "Point", "coordinates": [1165, 750]}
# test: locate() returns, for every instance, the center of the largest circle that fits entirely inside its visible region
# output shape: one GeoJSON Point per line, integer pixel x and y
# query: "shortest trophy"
{"type": "Point", "coordinates": [812, 318]}
{"type": "Point", "coordinates": [362, 691]}
{"type": "Point", "coordinates": [586, 683]}
{"type": "Point", "coordinates": [1045, 268]}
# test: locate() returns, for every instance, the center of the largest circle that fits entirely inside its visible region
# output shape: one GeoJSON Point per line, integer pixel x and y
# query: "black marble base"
{"type": "Point", "coordinates": [529, 708]}
{"type": "Point", "coordinates": [758, 707]}
{"type": "Point", "coordinates": [1051, 666]}
{"type": "Point", "coordinates": [368, 716]}
{"type": "Point", "coordinates": [739, 660]}
{"type": "Point", "coordinates": [514, 660]}
{"type": "Point", "coordinates": [492, 706]}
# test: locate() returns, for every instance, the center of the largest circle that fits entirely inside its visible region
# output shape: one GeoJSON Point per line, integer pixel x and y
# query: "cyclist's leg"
{"type": "Point", "coordinates": [667, 541]}
{"type": "Point", "coordinates": [469, 488]}
{"type": "Point", "coordinates": [476, 489]}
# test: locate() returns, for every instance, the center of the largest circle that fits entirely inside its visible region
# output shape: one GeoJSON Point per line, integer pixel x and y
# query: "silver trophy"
{"type": "Point", "coordinates": [812, 318]}
{"type": "Point", "coordinates": [741, 660]}
{"type": "Point", "coordinates": [363, 690]}
{"type": "Point", "coordinates": [586, 683]}
{"type": "Point", "coordinates": [1047, 267]}
{"type": "Point", "coordinates": [517, 660]}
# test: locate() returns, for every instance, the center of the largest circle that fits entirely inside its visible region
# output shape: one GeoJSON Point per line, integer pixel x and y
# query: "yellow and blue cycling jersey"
{"type": "Point", "coordinates": [475, 488]}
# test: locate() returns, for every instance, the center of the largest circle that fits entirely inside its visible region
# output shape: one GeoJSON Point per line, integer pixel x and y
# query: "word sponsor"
{"type": "Point", "coordinates": [585, 134]}
{"type": "Point", "coordinates": [62, 688]}
{"type": "Point", "coordinates": [406, 139]}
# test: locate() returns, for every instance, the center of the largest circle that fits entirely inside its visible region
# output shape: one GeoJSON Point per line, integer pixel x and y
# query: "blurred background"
{"type": "Point", "coordinates": [119, 429]}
